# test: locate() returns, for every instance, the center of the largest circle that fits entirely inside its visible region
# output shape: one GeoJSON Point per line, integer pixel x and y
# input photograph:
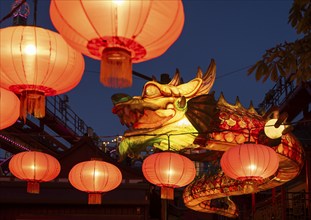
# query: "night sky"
{"type": "Point", "coordinates": [234, 33]}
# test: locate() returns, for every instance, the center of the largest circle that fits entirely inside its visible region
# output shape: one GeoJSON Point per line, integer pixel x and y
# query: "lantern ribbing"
{"type": "Point", "coordinates": [251, 163]}
{"type": "Point", "coordinates": [39, 63]}
{"type": "Point", "coordinates": [34, 167]}
{"type": "Point", "coordinates": [168, 170]}
{"type": "Point", "coordinates": [95, 177]}
{"type": "Point", "coordinates": [133, 31]}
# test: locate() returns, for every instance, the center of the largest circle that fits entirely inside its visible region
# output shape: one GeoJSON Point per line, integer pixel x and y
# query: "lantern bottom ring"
{"type": "Point", "coordinates": [167, 193]}
{"type": "Point", "coordinates": [94, 198]}
{"type": "Point", "coordinates": [250, 184]}
{"type": "Point", "coordinates": [33, 187]}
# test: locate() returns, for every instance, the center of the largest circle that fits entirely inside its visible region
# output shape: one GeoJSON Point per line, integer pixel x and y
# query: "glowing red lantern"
{"type": "Point", "coordinates": [34, 167]}
{"type": "Point", "coordinates": [118, 32]}
{"type": "Point", "coordinates": [38, 63]}
{"type": "Point", "coordinates": [168, 170]}
{"type": "Point", "coordinates": [95, 177]}
{"type": "Point", "coordinates": [9, 108]}
{"type": "Point", "coordinates": [250, 162]}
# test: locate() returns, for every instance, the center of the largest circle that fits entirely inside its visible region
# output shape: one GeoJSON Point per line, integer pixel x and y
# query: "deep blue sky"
{"type": "Point", "coordinates": [234, 33]}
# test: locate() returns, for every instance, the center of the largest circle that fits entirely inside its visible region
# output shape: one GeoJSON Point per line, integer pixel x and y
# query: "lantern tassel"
{"type": "Point", "coordinates": [167, 193]}
{"type": "Point", "coordinates": [33, 187]}
{"type": "Point", "coordinates": [32, 102]}
{"type": "Point", "coordinates": [116, 68]}
{"type": "Point", "coordinates": [250, 185]}
{"type": "Point", "coordinates": [95, 198]}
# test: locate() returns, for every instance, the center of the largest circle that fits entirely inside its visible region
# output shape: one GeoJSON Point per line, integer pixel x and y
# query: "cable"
{"type": "Point", "coordinates": [233, 72]}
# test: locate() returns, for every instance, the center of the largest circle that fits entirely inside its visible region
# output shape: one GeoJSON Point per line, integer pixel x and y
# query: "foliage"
{"type": "Point", "coordinates": [289, 59]}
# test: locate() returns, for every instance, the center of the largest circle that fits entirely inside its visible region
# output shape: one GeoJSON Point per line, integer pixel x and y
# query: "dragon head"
{"type": "Point", "coordinates": [160, 109]}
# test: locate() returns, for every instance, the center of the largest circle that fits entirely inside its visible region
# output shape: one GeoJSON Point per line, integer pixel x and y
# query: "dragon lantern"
{"type": "Point", "coordinates": [186, 118]}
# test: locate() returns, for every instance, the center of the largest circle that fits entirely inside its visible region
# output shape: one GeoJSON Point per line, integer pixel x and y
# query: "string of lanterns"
{"type": "Point", "coordinates": [93, 177]}
{"type": "Point", "coordinates": [248, 162]}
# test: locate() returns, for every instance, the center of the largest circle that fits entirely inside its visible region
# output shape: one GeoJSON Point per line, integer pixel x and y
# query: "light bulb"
{"type": "Point", "coordinates": [118, 2]}
{"type": "Point", "coordinates": [252, 167]}
{"type": "Point", "coordinates": [30, 49]}
{"type": "Point", "coordinates": [271, 131]}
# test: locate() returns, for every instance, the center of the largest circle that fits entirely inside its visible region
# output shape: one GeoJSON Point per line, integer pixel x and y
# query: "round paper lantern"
{"type": "Point", "coordinates": [273, 132]}
{"type": "Point", "coordinates": [168, 170]}
{"type": "Point", "coordinates": [250, 162]}
{"type": "Point", "coordinates": [118, 32]}
{"type": "Point", "coordinates": [9, 108]}
{"type": "Point", "coordinates": [38, 63]}
{"type": "Point", "coordinates": [34, 167]}
{"type": "Point", "coordinates": [95, 177]}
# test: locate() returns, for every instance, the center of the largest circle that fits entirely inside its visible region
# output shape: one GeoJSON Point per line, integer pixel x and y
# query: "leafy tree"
{"type": "Point", "coordinates": [289, 59]}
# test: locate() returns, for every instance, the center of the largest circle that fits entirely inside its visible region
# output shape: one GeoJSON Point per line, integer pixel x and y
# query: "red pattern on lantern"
{"type": "Point", "coordinates": [250, 162]}
{"type": "Point", "coordinates": [9, 108]}
{"type": "Point", "coordinates": [95, 177]}
{"type": "Point", "coordinates": [168, 170]}
{"type": "Point", "coordinates": [145, 29]}
{"type": "Point", "coordinates": [34, 167]}
{"type": "Point", "coordinates": [39, 63]}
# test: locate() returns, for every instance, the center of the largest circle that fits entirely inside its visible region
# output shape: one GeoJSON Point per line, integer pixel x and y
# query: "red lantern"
{"type": "Point", "coordinates": [168, 170]}
{"type": "Point", "coordinates": [9, 108]}
{"type": "Point", "coordinates": [95, 177]}
{"type": "Point", "coordinates": [118, 32]}
{"type": "Point", "coordinates": [38, 63]}
{"type": "Point", "coordinates": [34, 167]}
{"type": "Point", "coordinates": [250, 162]}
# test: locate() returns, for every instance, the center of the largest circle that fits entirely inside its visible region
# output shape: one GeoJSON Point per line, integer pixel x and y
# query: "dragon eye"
{"type": "Point", "coordinates": [152, 91]}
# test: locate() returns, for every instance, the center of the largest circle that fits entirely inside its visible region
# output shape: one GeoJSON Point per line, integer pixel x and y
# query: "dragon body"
{"type": "Point", "coordinates": [187, 119]}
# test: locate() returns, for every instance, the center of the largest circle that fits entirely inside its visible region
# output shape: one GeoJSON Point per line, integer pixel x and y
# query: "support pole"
{"type": "Point", "coordinates": [253, 205]}
{"type": "Point", "coordinates": [284, 202]}
{"type": "Point", "coordinates": [308, 189]}
{"type": "Point", "coordinates": [273, 203]}
{"type": "Point", "coordinates": [163, 209]}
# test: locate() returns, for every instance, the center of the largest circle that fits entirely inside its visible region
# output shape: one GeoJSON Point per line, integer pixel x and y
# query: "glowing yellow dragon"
{"type": "Point", "coordinates": [186, 116]}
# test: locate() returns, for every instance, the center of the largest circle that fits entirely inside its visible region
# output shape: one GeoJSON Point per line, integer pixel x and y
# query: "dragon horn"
{"type": "Point", "coordinates": [199, 73]}
{"type": "Point", "coordinates": [208, 79]}
{"type": "Point", "coordinates": [176, 79]}
{"type": "Point", "coordinates": [238, 102]}
{"type": "Point", "coordinates": [210, 73]}
{"type": "Point", "coordinates": [251, 108]}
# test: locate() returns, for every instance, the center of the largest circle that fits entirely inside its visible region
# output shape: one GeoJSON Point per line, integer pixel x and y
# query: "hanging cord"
{"type": "Point", "coordinates": [13, 11]}
{"type": "Point", "coordinates": [168, 142]}
{"type": "Point", "coordinates": [35, 12]}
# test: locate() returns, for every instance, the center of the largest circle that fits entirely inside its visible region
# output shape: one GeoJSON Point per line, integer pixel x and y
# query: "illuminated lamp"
{"type": "Point", "coordinates": [168, 170]}
{"type": "Point", "coordinates": [251, 163]}
{"type": "Point", "coordinates": [118, 32]}
{"type": "Point", "coordinates": [34, 167]}
{"type": "Point", "coordinates": [271, 131]}
{"type": "Point", "coordinates": [95, 177]}
{"type": "Point", "coordinates": [9, 108]}
{"type": "Point", "coordinates": [38, 63]}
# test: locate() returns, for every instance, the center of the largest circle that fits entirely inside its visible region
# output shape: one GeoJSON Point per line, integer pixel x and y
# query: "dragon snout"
{"type": "Point", "coordinates": [119, 98]}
